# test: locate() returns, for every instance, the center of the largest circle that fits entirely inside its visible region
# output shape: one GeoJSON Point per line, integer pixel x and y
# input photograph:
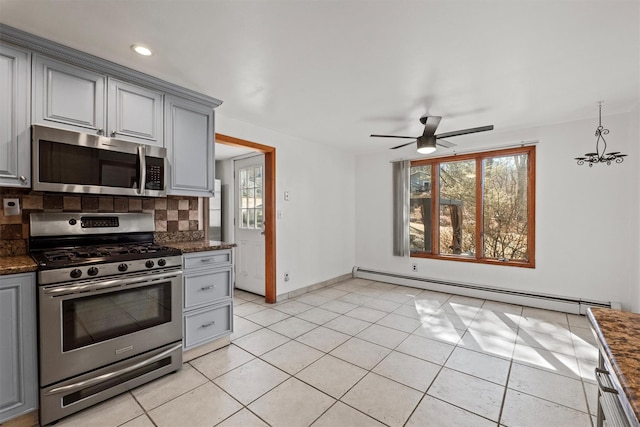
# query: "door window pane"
{"type": "Point", "coordinates": [251, 197]}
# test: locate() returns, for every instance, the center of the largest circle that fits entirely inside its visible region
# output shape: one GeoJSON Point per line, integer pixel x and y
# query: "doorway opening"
{"type": "Point", "coordinates": [269, 203]}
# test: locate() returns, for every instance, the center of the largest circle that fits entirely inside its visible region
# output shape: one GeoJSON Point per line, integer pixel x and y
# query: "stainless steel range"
{"type": "Point", "coordinates": [109, 307]}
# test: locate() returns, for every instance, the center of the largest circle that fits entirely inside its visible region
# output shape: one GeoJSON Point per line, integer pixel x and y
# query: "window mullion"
{"type": "Point", "coordinates": [479, 210]}
{"type": "Point", "coordinates": [435, 208]}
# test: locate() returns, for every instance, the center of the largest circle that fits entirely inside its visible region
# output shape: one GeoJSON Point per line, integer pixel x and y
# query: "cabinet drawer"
{"type": "Point", "coordinates": [207, 287]}
{"type": "Point", "coordinates": [211, 259]}
{"type": "Point", "coordinates": [207, 324]}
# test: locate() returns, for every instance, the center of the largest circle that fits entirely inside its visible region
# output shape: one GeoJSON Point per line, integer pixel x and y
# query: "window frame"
{"type": "Point", "coordinates": [479, 157]}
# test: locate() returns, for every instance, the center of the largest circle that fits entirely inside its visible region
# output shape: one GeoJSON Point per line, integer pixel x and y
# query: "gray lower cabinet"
{"type": "Point", "coordinates": [189, 139]}
{"type": "Point", "coordinates": [82, 100]}
{"type": "Point", "coordinates": [15, 136]}
{"type": "Point", "coordinates": [18, 357]}
{"type": "Point", "coordinates": [208, 303]}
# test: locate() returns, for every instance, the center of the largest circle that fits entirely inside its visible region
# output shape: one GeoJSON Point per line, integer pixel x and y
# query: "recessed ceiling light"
{"type": "Point", "coordinates": [141, 50]}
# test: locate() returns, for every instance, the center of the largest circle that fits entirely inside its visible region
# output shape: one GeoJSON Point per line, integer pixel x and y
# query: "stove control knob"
{"type": "Point", "coordinates": [162, 262]}
{"type": "Point", "coordinates": [149, 264]}
{"type": "Point", "coordinates": [75, 273]}
{"type": "Point", "coordinates": [93, 271]}
{"type": "Point", "coordinates": [123, 267]}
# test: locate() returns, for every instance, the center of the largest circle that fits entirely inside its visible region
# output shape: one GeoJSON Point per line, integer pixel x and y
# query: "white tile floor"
{"type": "Point", "coordinates": [363, 353]}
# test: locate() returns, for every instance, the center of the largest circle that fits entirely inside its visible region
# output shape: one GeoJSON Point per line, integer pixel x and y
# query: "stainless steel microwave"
{"type": "Point", "coordinates": [73, 162]}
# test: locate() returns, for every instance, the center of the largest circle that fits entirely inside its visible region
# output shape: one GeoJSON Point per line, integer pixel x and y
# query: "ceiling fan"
{"type": "Point", "coordinates": [428, 140]}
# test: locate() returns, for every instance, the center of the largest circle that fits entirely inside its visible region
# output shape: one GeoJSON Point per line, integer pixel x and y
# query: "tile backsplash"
{"type": "Point", "coordinates": [177, 218]}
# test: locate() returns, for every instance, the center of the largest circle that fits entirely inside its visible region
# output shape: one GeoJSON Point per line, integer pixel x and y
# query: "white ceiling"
{"type": "Point", "coordinates": [336, 71]}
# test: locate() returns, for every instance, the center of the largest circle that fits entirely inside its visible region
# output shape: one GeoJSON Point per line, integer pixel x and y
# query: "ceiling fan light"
{"type": "Point", "coordinates": [426, 145]}
{"type": "Point", "coordinates": [426, 150]}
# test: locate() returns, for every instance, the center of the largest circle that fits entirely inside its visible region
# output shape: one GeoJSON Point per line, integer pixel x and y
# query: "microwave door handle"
{"type": "Point", "coordinates": [143, 168]}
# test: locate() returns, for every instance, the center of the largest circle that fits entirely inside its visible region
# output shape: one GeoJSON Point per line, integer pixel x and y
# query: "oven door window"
{"type": "Point", "coordinates": [92, 319]}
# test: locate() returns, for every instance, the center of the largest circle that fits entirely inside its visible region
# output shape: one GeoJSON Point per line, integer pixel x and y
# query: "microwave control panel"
{"type": "Point", "coordinates": [155, 177]}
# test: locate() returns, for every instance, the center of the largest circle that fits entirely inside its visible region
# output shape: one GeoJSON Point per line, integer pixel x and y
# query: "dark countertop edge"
{"type": "Point", "coordinates": [16, 264]}
{"type": "Point", "coordinates": [629, 393]}
{"type": "Point", "coordinates": [200, 246]}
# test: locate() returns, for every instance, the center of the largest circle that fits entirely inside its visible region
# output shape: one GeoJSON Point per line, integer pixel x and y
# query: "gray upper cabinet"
{"type": "Point", "coordinates": [18, 357]}
{"type": "Point", "coordinates": [15, 147]}
{"type": "Point", "coordinates": [68, 89]}
{"type": "Point", "coordinates": [68, 97]}
{"type": "Point", "coordinates": [77, 99]}
{"type": "Point", "coordinates": [134, 113]}
{"type": "Point", "coordinates": [189, 141]}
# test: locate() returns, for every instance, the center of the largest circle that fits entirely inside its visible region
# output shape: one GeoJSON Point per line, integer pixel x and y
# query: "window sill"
{"type": "Point", "coordinates": [522, 264]}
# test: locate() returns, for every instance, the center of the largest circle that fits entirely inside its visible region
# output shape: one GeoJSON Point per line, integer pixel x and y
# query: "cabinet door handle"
{"type": "Point", "coordinates": [206, 288]}
{"type": "Point", "coordinates": [22, 178]}
{"type": "Point", "coordinates": [206, 325]}
{"type": "Point", "coordinates": [206, 260]}
{"type": "Point", "coordinates": [114, 133]}
{"type": "Point", "coordinates": [100, 131]}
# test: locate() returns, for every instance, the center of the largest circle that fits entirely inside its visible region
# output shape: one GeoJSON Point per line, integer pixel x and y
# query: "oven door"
{"type": "Point", "coordinates": [87, 325]}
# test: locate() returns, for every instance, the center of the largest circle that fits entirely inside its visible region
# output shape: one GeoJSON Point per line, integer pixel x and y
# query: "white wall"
{"type": "Point", "coordinates": [634, 135]}
{"type": "Point", "coordinates": [315, 234]}
{"type": "Point", "coordinates": [587, 232]}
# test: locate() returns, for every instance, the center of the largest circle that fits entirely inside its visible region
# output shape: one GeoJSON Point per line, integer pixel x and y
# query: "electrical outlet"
{"type": "Point", "coordinates": [11, 207]}
{"type": "Point", "coordinates": [414, 267]}
{"type": "Point", "coordinates": [286, 277]}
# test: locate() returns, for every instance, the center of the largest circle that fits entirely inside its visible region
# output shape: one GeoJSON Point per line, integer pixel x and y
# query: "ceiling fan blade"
{"type": "Point", "coordinates": [464, 131]}
{"type": "Point", "coordinates": [445, 144]}
{"type": "Point", "coordinates": [393, 136]}
{"type": "Point", "coordinates": [430, 125]}
{"type": "Point", "coordinates": [403, 145]}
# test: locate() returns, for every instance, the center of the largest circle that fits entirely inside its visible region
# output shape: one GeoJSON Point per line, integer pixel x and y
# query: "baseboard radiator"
{"type": "Point", "coordinates": [549, 302]}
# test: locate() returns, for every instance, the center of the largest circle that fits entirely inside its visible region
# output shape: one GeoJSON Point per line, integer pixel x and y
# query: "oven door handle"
{"type": "Point", "coordinates": [109, 375]}
{"type": "Point", "coordinates": [66, 289]}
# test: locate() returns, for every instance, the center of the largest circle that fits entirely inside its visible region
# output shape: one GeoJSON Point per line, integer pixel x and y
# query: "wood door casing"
{"type": "Point", "coordinates": [269, 208]}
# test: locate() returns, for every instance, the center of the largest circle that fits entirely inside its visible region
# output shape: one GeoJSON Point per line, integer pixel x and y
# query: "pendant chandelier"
{"type": "Point", "coordinates": [601, 156]}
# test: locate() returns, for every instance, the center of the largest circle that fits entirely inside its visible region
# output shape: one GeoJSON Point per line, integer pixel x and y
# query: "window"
{"type": "Point", "coordinates": [476, 207]}
{"type": "Point", "coordinates": [251, 198]}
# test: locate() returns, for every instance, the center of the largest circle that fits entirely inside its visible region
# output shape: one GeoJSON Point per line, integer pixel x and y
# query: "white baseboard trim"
{"type": "Point", "coordinates": [315, 286]}
{"type": "Point", "coordinates": [545, 301]}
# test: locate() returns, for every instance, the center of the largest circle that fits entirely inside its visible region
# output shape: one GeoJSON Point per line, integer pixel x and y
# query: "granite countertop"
{"type": "Point", "coordinates": [619, 334]}
{"type": "Point", "coordinates": [200, 245]}
{"type": "Point", "coordinates": [17, 264]}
